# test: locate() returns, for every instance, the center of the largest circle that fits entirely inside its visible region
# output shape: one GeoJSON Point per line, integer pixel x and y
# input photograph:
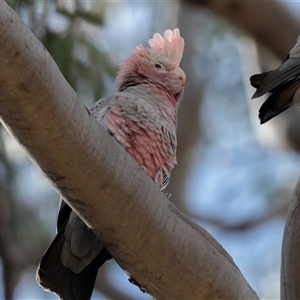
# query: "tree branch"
{"type": "Point", "coordinates": [262, 19]}
{"type": "Point", "coordinates": [290, 257]}
{"type": "Point", "coordinates": [169, 256]}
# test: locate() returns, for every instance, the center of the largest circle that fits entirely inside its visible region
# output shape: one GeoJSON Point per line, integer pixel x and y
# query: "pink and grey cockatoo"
{"type": "Point", "coordinates": [142, 117]}
{"type": "Point", "coordinates": [283, 84]}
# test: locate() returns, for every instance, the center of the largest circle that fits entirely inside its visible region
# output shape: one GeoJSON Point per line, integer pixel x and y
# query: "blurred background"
{"type": "Point", "coordinates": [234, 177]}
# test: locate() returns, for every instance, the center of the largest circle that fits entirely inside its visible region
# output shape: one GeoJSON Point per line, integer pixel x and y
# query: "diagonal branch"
{"type": "Point", "coordinates": [169, 256]}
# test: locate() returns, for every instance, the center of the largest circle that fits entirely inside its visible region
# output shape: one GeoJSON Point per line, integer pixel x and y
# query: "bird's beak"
{"type": "Point", "coordinates": [180, 74]}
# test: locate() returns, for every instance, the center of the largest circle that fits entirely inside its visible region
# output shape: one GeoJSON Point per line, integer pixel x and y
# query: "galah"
{"type": "Point", "coordinates": [283, 83]}
{"type": "Point", "coordinates": [142, 117]}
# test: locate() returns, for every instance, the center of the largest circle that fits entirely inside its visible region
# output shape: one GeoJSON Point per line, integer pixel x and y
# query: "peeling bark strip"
{"type": "Point", "coordinates": [169, 258]}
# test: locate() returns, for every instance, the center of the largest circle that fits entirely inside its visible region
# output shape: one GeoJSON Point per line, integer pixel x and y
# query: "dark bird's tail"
{"type": "Point", "coordinates": [279, 101]}
{"type": "Point", "coordinates": [55, 277]}
{"type": "Point", "coordinates": [257, 80]}
{"type": "Point", "coordinates": [284, 86]}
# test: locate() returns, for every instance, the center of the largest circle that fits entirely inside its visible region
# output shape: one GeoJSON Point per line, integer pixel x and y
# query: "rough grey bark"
{"type": "Point", "coordinates": [165, 253]}
{"type": "Point", "coordinates": [290, 257]}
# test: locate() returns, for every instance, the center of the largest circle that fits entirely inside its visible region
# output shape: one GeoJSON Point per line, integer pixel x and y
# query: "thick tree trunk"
{"type": "Point", "coordinates": [166, 254]}
{"type": "Point", "coordinates": [290, 260]}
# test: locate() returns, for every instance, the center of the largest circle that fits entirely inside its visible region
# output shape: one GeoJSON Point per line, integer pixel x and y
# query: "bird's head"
{"type": "Point", "coordinates": [158, 64]}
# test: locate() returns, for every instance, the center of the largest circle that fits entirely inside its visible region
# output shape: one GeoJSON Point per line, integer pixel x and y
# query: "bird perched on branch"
{"type": "Point", "coordinates": [142, 117]}
{"type": "Point", "coordinates": [283, 84]}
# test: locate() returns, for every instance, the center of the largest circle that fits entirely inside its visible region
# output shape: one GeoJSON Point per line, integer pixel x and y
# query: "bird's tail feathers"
{"type": "Point", "coordinates": [54, 277]}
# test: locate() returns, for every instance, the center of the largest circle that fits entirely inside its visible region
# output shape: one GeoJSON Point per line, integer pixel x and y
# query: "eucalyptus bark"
{"type": "Point", "coordinates": [165, 254]}
{"type": "Point", "coordinates": [290, 257]}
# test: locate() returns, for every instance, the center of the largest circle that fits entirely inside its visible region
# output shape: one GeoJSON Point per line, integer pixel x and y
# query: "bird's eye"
{"type": "Point", "coordinates": [158, 66]}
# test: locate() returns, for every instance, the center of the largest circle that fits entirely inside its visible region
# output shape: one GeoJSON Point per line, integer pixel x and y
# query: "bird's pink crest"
{"type": "Point", "coordinates": [169, 46]}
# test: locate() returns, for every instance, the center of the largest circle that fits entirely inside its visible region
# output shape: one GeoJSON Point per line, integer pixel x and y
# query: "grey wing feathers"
{"type": "Point", "coordinates": [54, 271]}
{"type": "Point", "coordinates": [53, 276]}
{"type": "Point", "coordinates": [100, 109]}
{"type": "Point", "coordinates": [280, 100]}
{"type": "Point", "coordinates": [81, 245]}
{"type": "Point", "coordinates": [269, 81]}
{"type": "Point", "coordinates": [283, 84]}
